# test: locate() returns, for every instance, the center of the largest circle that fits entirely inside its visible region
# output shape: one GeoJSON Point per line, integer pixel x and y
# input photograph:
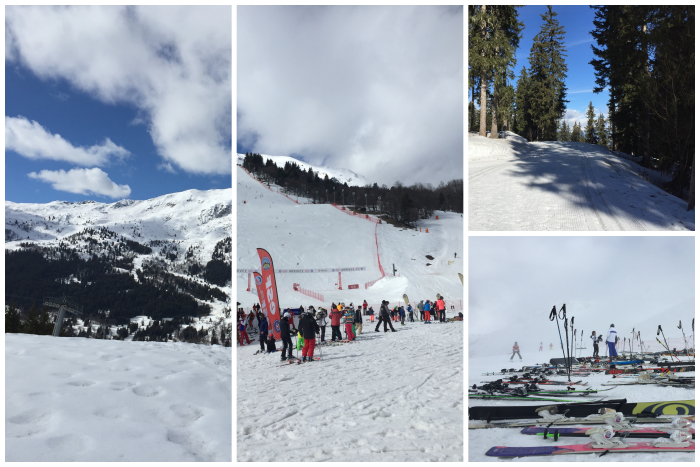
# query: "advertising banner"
{"type": "Point", "coordinates": [268, 289]}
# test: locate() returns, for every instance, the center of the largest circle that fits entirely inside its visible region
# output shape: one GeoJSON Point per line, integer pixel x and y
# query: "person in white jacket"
{"type": "Point", "coordinates": [594, 338]}
{"type": "Point", "coordinates": [321, 320]}
{"type": "Point", "coordinates": [610, 339]}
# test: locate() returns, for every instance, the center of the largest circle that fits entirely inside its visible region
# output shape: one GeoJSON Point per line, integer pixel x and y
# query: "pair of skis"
{"type": "Point", "coordinates": [606, 439]}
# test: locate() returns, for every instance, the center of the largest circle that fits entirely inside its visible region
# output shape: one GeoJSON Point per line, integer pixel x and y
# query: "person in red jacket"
{"type": "Point", "coordinates": [516, 349]}
{"type": "Point", "coordinates": [335, 324]}
{"type": "Point", "coordinates": [243, 333]}
{"type": "Point", "coordinates": [440, 306]}
{"type": "Point", "coordinates": [364, 307]}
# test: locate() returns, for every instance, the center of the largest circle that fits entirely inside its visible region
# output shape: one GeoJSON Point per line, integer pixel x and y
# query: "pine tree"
{"type": "Point", "coordinates": [493, 37]}
{"type": "Point", "coordinates": [523, 122]}
{"type": "Point", "coordinates": [576, 134]}
{"type": "Point", "coordinates": [591, 136]}
{"type": "Point", "coordinates": [602, 131]}
{"type": "Point", "coordinates": [564, 132]}
{"type": "Point", "coordinates": [547, 74]}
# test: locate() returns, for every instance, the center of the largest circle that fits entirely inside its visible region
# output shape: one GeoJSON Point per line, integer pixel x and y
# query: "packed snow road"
{"type": "Point", "coordinates": [386, 397]}
{"type": "Point", "coordinates": [515, 185]}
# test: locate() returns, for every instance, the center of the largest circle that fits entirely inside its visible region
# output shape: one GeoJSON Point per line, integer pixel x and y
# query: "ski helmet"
{"type": "Point", "coordinates": [612, 325]}
{"type": "Point", "coordinates": [286, 314]}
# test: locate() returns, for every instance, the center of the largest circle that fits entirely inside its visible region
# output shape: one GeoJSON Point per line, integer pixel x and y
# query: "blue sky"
{"type": "Point", "coordinates": [132, 103]}
{"type": "Point", "coordinates": [577, 22]}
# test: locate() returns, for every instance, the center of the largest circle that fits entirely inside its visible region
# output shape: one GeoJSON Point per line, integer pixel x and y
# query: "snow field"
{"type": "Point", "coordinates": [386, 397]}
{"type": "Point", "coordinates": [564, 186]}
{"type": "Point", "coordinates": [481, 440]}
{"type": "Point", "coordinates": [307, 236]}
{"type": "Point", "coordinates": [99, 400]}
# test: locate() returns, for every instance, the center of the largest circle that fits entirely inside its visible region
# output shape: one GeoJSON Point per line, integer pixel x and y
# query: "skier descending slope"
{"type": "Point", "coordinates": [610, 339]}
{"type": "Point", "coordinates": [516, 349]}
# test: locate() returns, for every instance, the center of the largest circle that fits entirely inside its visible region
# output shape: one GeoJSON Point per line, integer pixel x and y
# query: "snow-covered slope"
{"type": "Point", "coordinates": [320, 236]}
{"type": "Point", "coordinates": [387, 397]}
{"type": "Point", "coordinates": [515, 185]}
{"type": "Point", "coordinates": [342, 175]}
{"type": "Point", "coordinates": [74, 399]}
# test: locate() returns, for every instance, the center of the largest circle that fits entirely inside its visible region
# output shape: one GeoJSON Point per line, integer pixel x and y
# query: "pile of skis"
{"type": "Point", "coordinates": [610, 437]}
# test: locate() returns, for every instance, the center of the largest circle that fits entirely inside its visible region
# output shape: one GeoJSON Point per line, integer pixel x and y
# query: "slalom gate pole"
{"type": "Point", "coordinates": [573, 341]}
{"type": "Point", "coordinates": [554, 317]}
{"type": "Point", "coordinates": [667, 346]}
{"type": "Point", "coordinates": [693, 336]}
{"type": "Point", "coordinates": [580, 350]}
{"type": "Point", "coordinates": [680, 326]}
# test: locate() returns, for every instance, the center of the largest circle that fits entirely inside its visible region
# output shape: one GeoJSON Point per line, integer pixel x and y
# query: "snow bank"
{"type": "Point", "coordinates": [75, 399]}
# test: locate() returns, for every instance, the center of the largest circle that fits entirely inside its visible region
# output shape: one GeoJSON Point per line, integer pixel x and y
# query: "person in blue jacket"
{"type": "Point", "coordinates": [410, 312]}
{"type": "Point", "coordinates": [402, 315]}
{"type": "Point", "coordinates": [263, 331]}
{"type": "Point", "coordinates": [426, 310]}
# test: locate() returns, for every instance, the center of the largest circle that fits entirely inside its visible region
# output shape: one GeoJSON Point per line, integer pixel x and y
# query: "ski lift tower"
{"type": "Point", "coordinates": [63, 305]}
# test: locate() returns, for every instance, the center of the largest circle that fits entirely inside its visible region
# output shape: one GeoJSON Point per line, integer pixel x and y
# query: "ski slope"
{"type": "Point", "coordinates": [515, 185]}
{"type": "Point", "coordinates": [320, 236]}
{"type": "Point", "coordinates": [388, 397]}
{"type": "Point", "coordinates": [481, 440]}
{"type": "Point", "coordinates": [72, 399]}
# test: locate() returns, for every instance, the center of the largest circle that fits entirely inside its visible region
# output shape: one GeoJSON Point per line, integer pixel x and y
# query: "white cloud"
{"type": "Point", "coordinates": [83, 182]}
{"type": "Point", "coordinates": [31, 140]}
{"type": "Point", "coordinates": [172, 63]}
{"type": "Point", "coordinates": [378, 90]}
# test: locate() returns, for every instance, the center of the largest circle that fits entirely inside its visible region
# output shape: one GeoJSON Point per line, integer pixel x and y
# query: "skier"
{"type": "Point", "coordinates": [455, 255]}
{"type": "Point", "coordinates": [594, 338]}
{"type": "Point", "coordinates": [244, 334]}
{"type": "Point", "coordinates": [410, 312]}
{"type": "Point", "coordinates": [516, 349]}
{"type": "Point", "coordinates": [321, 320]}
{"type": "Point", "coordinates": [402, 313]}
{"type": "Point", "coordinates": [348, 318]}
{"type": "Point", "coordinates": [335, 324]}
{"type": "Point", "coordinates": [263, 331]}
{"type": "Point", "coordinates": [364, 307]}
{"type": "Point", "coordinates": [610, 339]}
{"type": "Point", "coordinates": [550, 346]}
{"type": "Point", "coordinates": [358, 320]}
{"type": "Point", "coordinates": [286, 336]}
{"type": "Point", "coordinates": [540, 346]}
{"type": "Point", "coordinates": [440, 305]}
{"type": "Point", "coordinates": [308, 329]}
{"type": "Point", "coordinates": [271, 348]}
{"type": "Point", "coordinates": [426, 310]}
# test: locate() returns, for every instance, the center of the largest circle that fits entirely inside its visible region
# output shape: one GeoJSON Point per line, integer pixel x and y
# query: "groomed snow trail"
{"type": "Point", "coordinates": [386, 397]}
{"type": "Point", "coordinates": [73, 399]}
{"type": "Point", "coordinates": [514, 185]}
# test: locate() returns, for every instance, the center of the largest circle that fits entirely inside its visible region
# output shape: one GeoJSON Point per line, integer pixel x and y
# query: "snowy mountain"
{"type": "Point", "coordinates": [342, 175]}
{"type": "Point", "coordinates": [384, 397]}
{"type": "Point", "coordinates": [307, 237]}
{"type": "Point", "coordinates": [173, 245]}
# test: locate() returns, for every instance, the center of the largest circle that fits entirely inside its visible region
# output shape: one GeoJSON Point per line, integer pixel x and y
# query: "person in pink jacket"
{"type": "Point", "coordinates": [440, 307]}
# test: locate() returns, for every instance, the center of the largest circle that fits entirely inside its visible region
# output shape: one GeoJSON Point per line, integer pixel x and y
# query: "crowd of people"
{"type": "Point", "coordinates": [312, 324]}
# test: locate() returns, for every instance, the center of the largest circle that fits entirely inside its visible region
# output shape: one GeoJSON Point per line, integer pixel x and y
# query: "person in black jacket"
{"type": "Point", "coordinates": [384, 317]}
{"type": "Point", "coordinates": [308, 329]}
{"type": "Point", "coordinates": [358, 320]}
{"type": "Point", "coordinates": [286, 336]}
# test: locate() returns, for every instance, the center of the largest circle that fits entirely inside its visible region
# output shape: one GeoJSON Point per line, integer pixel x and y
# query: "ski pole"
{"type": "Point", "coordinates": [554, 317]}
{"type": "Point", "coordinates": [680, 326]}
{"type": "Point", "coordinates": [566, 331]}
{"type": "Point", "coordinates": [664, 336]}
